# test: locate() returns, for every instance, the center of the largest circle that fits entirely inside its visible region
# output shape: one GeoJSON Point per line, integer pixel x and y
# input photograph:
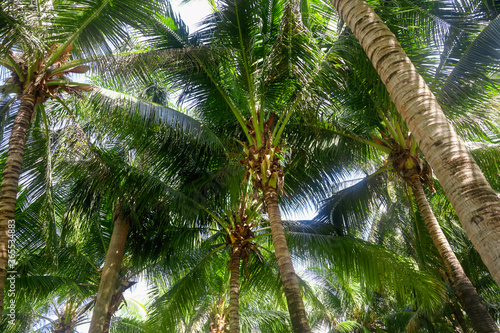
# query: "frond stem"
{"type": "Point", "coordinates": [262, 229]}
{"type": "Point", "coordinates": [414, 146]}
{"type": "Point", "coordinates": [10, 61]}
{"type": "Point", "coordinates": [280, 127]}
{"type": "Point", "coordinates": [258, 124]}
{"type": "Point", "coordinates": [53, 58]}
{"type": "Point", "coordinates": [259, 236]}
{"type": "Point", "coordinates": [388, 124]}
{"type": "Point", "coordinates": [233, 108]}
{"type": "Point", "coordinates": [71, 64]}
{"type": "Point", "coordinates": [400, 136]}
{"type": "Point", "coordinates": [67, 83]}
{"type": "Point", "coordinates": [367, 142]}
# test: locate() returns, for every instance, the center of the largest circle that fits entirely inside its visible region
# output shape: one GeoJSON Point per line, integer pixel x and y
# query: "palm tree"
{"type": "Point", "coordinates": [70, 314]}
{"type": "Point", "coordinates": [41, 45]}
{"type": "Point", "coordinates": [77, 158]}
{"type": "Point", "coordinates": [122, 161]}
{"type": "Point", "coordinates": [199, 289]}
{"type": "Point", "coordinates": [412, 169]}
{"type": "Point", "coordinates": [267, 71]}
{"type": "Point", "coordinates": [110, 271]}
{"type": "Point", "coordinates": [255, 61]}
{"type": "Point", "coordinates": [403, 152]}
{"type": "Point", "coordinates": [415, 173]}
{"type": "Point", "coordinates": [475, 202]}
{"type": "Point", "coordinates": [239, 228]}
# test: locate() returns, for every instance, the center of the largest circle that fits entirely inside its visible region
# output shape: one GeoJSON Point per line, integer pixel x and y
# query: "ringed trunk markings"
{"type": "Point", "coordinates": [234, 295]}
{"type": "Point", "coordinates": [461, 285]}
{"type": "Point", "coordinates": [288, 277]}
{"type": "Point", "coordinates": [110, 271]}
{"type": "Point", "coordinates": [473, 199]}
{"type": "Point", "coordinates": [10, 179]}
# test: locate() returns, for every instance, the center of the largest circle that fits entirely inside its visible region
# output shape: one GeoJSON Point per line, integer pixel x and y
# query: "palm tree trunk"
{"type": "Point", "coordinates": [287, 272]}
{"type": "Point", "coordinates": [460, 283]}
{"type": "Point", "coordinates": [234, 295]}
{"type": "Point", "coordinates": [110, 271]}
{"type": "Point", "coordinates": [219, 323]}
{"type": "Point", "coordinates": [113, 306]}
{"type": "Point", "coordinates": [460, 318]}
{"type": "Point", "coordinates": [107, 322]}
{"type": "Point", "coordinates": [63, 328]}
{"type": "Point", "coordinates": [475, 202]}
{"type": "Point", "coordinates": [10, 179]}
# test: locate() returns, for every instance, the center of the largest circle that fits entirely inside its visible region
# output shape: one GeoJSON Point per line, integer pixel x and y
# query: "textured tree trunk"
{"type": "Point", "coordinates": [63, 328]}
{"type": "Point", "coordinates": [234, 296]}
{"type": "Point", "coordinates": [111, 312]}
{"type": "Point", "coordinates": [107, 322]}
{"type": "Point", "coordinates": [460, 283]}
{"type": "Point", "coordinates": [10, 179]}
{"type": "Point", "coordinates": [460, 318]}
{"type": "Point", "coordinates": [475, 202]}
{"type": "Point", "coordinates": [110, 271]}
{"type": "Point", "coordinates": [287, 272]}
{"type": "Point", "coordinates": [219, 323]}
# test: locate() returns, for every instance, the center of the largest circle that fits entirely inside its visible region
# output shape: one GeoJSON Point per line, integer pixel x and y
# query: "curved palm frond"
{"type": "Point", "coordinates": [476, 70]}
{"type": "Point", "coordinates": [373, 265]}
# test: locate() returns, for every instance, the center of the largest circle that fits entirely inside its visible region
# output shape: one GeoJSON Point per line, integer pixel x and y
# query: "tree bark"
{"type": "Point", "coordinates": [10, 179]}
{"type": "Point", "coordinates": [475, 202]}
{"type": "Point", "coordinates": [63, 328]}
{"type": "Point", "coordinates": [460, 283]}
{"type": "Point", "coordinates": [234, 295]}
{"type": "Point", "coordinates": [287, 272]}
{"type": "Point", "coordinates": [460, 318]}
{"type": "Point", "coordinates": [219, 323]}
{"type": "Point", "coordinates": [110, 271]}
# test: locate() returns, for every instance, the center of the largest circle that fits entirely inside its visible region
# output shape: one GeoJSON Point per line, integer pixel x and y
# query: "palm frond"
{"type": "Point", "coordinates": [153, 114]}
{"type": "Point", "coordinates": [475, 70]}
{"type": "Point", "coordinates": [374, 266]}
{"type": "Point", "coordinates": [351, 208]}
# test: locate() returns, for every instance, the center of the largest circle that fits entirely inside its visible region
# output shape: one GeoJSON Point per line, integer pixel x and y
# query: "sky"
{"type": "Point", "coordinates": [192, 12]}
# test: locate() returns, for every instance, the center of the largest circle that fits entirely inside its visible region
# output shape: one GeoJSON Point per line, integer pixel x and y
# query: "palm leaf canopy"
{"type": "Point", "coordinates": [454, 45]}
{"type": "Point", "coordinates": [264, 70]}
{"type": "Point", "coordinates": [91, 26]}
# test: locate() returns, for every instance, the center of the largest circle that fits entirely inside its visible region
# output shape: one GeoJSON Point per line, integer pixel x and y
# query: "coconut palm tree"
{"type": "Point", "coordinates": [249, 62]}
{"type": "Point", "coordinates": [445, 152]}
{"type": "Point", "coordinates": [41, 44]}
{"type": "Point", "coordinates": [415, 173]}
{"type": "Point", "coordinates": [127, 183]}
{"type": "Point", "coordinates": [195, 297]}
{"type": "Point", "coordinates": [79, 152]}
{"type": "Point", "coordinates": [403, 158]}
{"type": "Point", "coordinates": [395, 142]}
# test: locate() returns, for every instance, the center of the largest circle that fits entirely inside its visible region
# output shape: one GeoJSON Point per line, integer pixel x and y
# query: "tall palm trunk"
{"type": "Point", "coordinates": [460, 283]}
{"type": "Point", "coordinates": [10, 179]}
{"type": "Point", "coordinates": [287, 272]}
{"type": "Point", "coordinates": [475, 202]}
{"type": "Point", "coordinates": [234, 295]}
{"type": "Point", "coordinates": [110, 271]}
